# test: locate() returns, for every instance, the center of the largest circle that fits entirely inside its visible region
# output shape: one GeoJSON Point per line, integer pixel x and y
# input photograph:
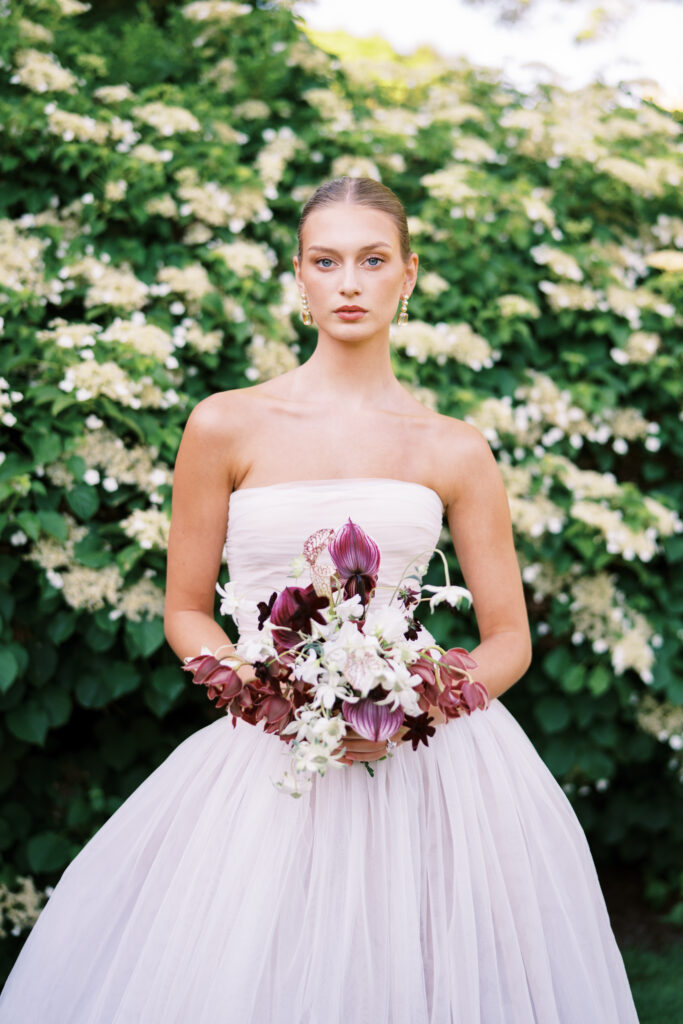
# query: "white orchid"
{"type": "Point", "coordinates": [331, 688]}
{"type": "Point", "coordinates": [308, 669]}
{"type": "Point", "coordinates": [297, 566]}
{"type": "Point", "coordinates": [387, 622]}
{"type": "Point", "coordinates": [351, 608]}
{"type": "Point", "coordinates": [293, 784]}
{"type": "Point", "coordinates": [311, 757]}
{"type": "Point", "coordinates": [330, 731]}
{"type": "Point", "coordinates": [456, 597]}
{"type": "Point", "coordinates": [232, 603]}
{"type": "Point", "coordinates": [400, 684]}
{"type": "Point", "coordinates": [257, 648]}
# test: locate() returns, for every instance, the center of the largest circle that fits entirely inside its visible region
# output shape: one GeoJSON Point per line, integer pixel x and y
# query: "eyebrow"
{"type": "Point", "coordinates": [365, 248]}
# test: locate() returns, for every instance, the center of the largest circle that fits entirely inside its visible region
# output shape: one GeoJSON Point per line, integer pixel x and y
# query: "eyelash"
{"type": "Point", "coordinates": [380, 259]}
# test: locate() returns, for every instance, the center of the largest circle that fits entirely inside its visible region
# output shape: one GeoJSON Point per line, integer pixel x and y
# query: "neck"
{"type": "Point", "coordinates": [359, 374]}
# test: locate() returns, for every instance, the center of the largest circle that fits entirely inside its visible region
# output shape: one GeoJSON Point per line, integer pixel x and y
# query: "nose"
{"type": "Point", "coordinates": [349, 281]}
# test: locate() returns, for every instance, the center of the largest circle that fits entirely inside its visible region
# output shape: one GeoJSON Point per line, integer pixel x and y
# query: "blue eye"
{"type": "Point", "coordinates": [324, 260]}
{"type": "Point", "coordinates": [378, 261]}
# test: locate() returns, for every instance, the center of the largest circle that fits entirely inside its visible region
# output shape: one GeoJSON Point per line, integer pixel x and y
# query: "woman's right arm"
{"type": "Point", "coordinates": [202, 482]}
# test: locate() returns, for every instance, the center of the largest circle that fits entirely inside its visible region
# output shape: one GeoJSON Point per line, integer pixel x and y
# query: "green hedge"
{"type": "Point", "coordinates": [151, 173]}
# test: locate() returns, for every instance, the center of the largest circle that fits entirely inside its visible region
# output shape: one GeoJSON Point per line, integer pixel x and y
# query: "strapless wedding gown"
{"type": "Point", "coordinates": [456, 886]}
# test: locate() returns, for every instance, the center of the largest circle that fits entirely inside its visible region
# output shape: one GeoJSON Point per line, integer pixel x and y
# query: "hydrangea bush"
{"type": "Point", "coordinates": [151, 174]}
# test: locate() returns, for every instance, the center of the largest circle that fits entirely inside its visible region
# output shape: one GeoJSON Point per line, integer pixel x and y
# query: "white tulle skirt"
{"type": "Point", "coordinates": [454, 887]}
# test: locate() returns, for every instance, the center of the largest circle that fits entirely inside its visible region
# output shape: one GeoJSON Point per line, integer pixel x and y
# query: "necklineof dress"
{"type": "Point", "coordinates": [340, 480]}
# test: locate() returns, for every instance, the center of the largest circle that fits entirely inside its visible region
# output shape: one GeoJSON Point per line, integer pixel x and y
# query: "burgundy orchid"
{"type": "Point", "coordinates": [220, 680]}
{"type": "Point", "coordinates": [457, 661]}
{"type": "Point", "coordinates": [372, 721]}
{"type": "Point", "coordinates": [276, 710]}
{"type": "Point", "coordinates": [292, 612]}
{"type": "Point", "coordinates": [460, 695]}
{"type": "Point", "coordinates": [356, 558]}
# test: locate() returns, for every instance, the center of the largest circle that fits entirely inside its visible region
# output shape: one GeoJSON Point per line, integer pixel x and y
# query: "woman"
{"type": "Point", "coordinates": [456, 885]}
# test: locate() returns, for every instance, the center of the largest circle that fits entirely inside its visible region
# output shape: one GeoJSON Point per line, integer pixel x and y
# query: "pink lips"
{"type": "Point", "coordinates": [350, 312]}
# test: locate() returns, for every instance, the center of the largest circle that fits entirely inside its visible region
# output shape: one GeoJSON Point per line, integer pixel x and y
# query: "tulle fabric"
{"type": "Point", "coordinates": [455, 886]}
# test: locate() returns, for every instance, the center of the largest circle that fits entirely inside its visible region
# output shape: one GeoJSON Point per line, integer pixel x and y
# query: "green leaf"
{"type": "Point", "coordinates": [552, 713]}
{"type": "Point", "coordinates": [169, 680]}
{"type": "Point", "coordinates": [90, 552]}
{"type": "Point", "coordinates": [574, 679]}
{"type": "Point", "coordinates": [29, 722]}
{"type": "Point", "coordinates": [94, 690]}
{"type": "Point", "coordinates": [596, 764]}
{"type": "Point", "coordinates": [584, 545]}
{"type": "Point", "coordinates": [168, 683]}
{"type": "Point", "coordinates": [558, 663]}
{"type": "Point", "coordinates": [98, 639]}
{"type": "Point", "coordinates": [9, 669]}
{"type": "Point", "coordinates": [29, 522]}
{"type": "Point", "coordinates": [125, 676]}
{"type": "Point", "coordinates": [53, 523]}
{"type": "Point", "coordinates": [559, 753]}
{"type": "Point", "coordinates": [48, 851]}
{"type": "Point", "coordinates": [83, 500]}
{"type": "Point", "coordinates": [600, 680]}
{"type": "Point", "coordinates": [42, 661]}
{"type": "Point", "coordinates": [98, 687]}
{"type": "Point", "coordinates": [127, 557]}
{"type": "Point", "coordinates": [7, 605]}
{"type": "Point", "coordinates": [45, 446]}
{"type": "Point", "coordinates": [60, 626]}
{"type": "Point", "coordinates": [58, 706]}
{"type": "Point", "coordinates": [158, 703]}
{"type": "Point", "coordinates": [145, 637]}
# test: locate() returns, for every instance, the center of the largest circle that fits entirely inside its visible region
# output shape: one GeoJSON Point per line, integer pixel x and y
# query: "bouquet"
{"type": "Point", "coordinates": [327, 659]}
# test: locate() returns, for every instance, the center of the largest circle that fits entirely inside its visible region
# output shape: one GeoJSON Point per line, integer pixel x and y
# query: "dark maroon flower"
{"type": "Point", "coordinates": [356, 559]}
{"type": "Point", "coordinates": [419, 728]}
{"type": "Point", "coordinates": [264, 608]}
{"type": "Point", "coordinates": [292, 613]}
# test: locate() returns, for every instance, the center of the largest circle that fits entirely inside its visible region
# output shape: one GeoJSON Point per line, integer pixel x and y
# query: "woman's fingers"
{"type": "Point", "coordinates": [360, 749]}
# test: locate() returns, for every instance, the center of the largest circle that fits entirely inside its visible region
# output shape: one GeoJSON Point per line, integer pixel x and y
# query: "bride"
{"type": "Point", "coordinates": [455, 886]}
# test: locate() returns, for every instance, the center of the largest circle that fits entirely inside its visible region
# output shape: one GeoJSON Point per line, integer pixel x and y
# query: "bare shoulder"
{"type": "Point", "coordinates": [216, 427]}
{"type": "Point", "coordinates": [218, 411]}
{"type": "Point", "coordinates": [465, 456]}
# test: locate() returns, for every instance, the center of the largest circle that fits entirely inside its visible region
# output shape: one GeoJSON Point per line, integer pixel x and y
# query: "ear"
{"type": "Point", "coordinates": [410, 278]}
{"type": "Point", "coordinates": [297, 271]}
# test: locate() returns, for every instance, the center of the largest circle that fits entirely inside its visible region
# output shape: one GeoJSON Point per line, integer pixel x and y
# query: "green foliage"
{"type": "Point", "coordinates": [655, 978]}
{"type": "Point", "coordinates": [151, 174]}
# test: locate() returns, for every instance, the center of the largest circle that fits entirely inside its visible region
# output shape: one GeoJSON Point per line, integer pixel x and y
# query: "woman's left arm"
{"type": "Point", "coordinates": [478, 514]}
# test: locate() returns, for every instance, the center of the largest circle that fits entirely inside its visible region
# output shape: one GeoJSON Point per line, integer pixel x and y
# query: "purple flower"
{"type": "Point", "coordinates": [372, 721]}
{"type": "Point", "coordinates": [292, 612]}
{"type": "Point", "coordinates": [356, 559]}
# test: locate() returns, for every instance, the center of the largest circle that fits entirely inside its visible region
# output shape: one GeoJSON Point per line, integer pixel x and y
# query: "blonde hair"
{"type": "Point", "coordinates": [363, 192]}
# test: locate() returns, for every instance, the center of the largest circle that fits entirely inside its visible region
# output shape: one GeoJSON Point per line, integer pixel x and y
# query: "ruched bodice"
{"type": "Point", "coordinates": [267, 527]}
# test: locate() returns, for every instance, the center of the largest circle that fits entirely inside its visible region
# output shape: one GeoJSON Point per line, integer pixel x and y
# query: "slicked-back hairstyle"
{"type": "Point", "coordinates": [363, 192]}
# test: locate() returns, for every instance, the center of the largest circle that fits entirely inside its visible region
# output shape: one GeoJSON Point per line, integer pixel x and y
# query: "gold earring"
{"type": "Point", "coordinates": [306, 318]}
{"type": "Point", "coordinates": [403, 315]}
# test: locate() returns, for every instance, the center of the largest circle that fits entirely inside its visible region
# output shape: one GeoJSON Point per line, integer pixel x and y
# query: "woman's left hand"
{"type": "Point", "coordinates": [360, 749]}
